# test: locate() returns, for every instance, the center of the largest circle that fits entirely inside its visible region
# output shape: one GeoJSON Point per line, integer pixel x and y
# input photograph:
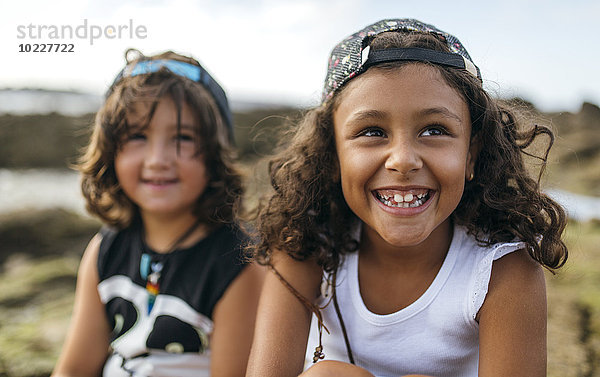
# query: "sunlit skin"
{"type": "Point", "coordinates": [157, 166]}
{"type": "Point", "coordinates": [399, 132]}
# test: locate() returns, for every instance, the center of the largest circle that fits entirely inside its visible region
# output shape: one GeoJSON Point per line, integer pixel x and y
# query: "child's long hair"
{"type": "Point", "coordinates": [306, 214]}
{"type": "Point", "coordinates": [104, 196]}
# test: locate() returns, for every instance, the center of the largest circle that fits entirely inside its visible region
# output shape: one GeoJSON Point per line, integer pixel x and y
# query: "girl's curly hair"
{"type": "Point", "coordinates": [306, 215]}
{"type": "Point", "coordinates": [104, 196]}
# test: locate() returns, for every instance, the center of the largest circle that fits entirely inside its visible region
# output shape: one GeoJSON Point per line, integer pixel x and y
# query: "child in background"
{"type": "Point", "coordinates": [404, 219]}
{"type": "Point", "coordinates": [163, 289]}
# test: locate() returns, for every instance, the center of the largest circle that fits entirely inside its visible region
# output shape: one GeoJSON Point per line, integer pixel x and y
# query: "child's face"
{"type": "Point", "coordinates": [403, 145]}
{"type": "Point", "coordinates": [153, 173]}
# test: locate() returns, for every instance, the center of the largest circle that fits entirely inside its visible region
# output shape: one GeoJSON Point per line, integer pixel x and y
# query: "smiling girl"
{"type": "Point", "coordinates": [403, 218]}
{"type": "Point", "coordinates": [162, 290]}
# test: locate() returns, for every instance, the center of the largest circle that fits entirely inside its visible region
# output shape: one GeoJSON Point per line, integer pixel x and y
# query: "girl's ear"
{"type": "Point", "coordinates": [473, 154]}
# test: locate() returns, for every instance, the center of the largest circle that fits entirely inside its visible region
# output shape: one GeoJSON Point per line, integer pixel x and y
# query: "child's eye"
{"type": "Point", "coordinates": [185, 137]}
{"type": "Point", "coordinates": [372, 132]}
{"type": "Point", "coordinates": [435, 130]}
{"type": "Point", "coordinates": [136, 136]}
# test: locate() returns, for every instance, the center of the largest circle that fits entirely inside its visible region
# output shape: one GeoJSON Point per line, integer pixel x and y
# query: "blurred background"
{"type": "Point", "coordinates": [270, 56]}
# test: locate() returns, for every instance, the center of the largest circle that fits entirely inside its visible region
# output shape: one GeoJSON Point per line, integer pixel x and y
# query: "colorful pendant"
{"type": "Point", "coordinates": [151, 272]}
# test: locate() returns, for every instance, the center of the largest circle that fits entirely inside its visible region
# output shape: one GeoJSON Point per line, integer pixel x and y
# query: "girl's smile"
{"type": "Point", "coordinates": [403, 197]}
{"type": "Point", "coordinates": [404, 201]}
{"type": "Point", "coordinates": [159, 183]}
{"type": "Point", "coordinates": [403, 144]}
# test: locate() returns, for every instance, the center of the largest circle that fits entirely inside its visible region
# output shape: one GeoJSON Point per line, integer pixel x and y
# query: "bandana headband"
{"type": "Point", "coordinates": [190, 71]}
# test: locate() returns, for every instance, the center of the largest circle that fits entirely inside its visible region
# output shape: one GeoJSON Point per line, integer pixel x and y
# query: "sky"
{"type": "Point", "coordinates": [276, 51]}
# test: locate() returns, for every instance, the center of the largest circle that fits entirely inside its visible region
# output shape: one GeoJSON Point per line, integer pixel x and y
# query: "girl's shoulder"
{"type": "Point", "coordinates": [230, 234]}
{"type": "Point", "coordinates": [481, 260]}
{"type": "Point", "coordinates": [223, 247]}
{"type": "Point", "coordinates": [115, 248]}
{"type": "Point", "coordinates": [108, 235]}
{"type": "Point", "coordinates": [481, 253]}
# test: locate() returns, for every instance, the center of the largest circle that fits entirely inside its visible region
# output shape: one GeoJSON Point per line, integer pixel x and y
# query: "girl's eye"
{"type": "Point", "coordinates": [372, 132]}
{"type": "Point", "coordinates": [434, 131]}
{"type": "Point", "coordinates": [136, 136]}
{"type": "Point", "coordinates": [185, 137]}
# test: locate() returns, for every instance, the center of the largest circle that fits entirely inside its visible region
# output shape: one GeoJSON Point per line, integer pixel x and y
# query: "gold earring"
{"type": "Point", "coordinates": [470, 177]}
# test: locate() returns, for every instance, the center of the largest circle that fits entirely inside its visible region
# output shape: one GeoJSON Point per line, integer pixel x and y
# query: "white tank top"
{"type": "Point", "coordinates": [436, 335]}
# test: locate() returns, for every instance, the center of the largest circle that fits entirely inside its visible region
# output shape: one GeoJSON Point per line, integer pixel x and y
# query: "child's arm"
{"type": "Point", "coordinates": [86, 345]}
{"type": "Point", "coordinates": [512, 320]}
{"type": "Point", "coordinates": [331, 368]}
{"type": "Point", "coordinates": [234, 317]}
{"type": "Point", "coordinates": [283, 322]}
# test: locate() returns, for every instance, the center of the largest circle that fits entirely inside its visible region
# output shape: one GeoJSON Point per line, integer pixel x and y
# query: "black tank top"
{"type": "Point", "coordinates": [192, 282]}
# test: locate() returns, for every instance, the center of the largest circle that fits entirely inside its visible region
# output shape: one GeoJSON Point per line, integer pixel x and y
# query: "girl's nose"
{"type": "Point", "coordinates": [159, 154]}
{"type": "Point", "coordinates": [403, 157]}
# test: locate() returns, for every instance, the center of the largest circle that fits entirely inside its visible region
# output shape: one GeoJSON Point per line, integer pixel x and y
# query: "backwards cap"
{"type": "Point", "coordinates": [353, 55]}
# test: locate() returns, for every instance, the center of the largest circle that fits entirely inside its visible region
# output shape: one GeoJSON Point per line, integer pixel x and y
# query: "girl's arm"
{"type": "Point", "coordinates": [283, 322]}
{"type": "Point", "coordinates": [86, 345]}
{"type": "Point", "coordinates": [234, 317]}
{"type": "Point", "coordinates": [512, 320]}
{"type": "Point", "coordinates": [331, 368]}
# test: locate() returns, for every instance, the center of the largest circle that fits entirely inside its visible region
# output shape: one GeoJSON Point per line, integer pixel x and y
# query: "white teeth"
{"type": "Point", "coordinates": [406, 201]}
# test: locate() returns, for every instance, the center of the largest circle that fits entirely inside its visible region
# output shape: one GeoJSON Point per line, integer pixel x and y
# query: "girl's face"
{"type": "Point", "coordinates": [157, 165]}
{"type": "Point", "coordinates": [403, 145]}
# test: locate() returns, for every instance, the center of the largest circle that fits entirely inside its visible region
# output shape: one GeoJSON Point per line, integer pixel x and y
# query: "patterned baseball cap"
{"type": "Point", "coordinates": [353, 55]}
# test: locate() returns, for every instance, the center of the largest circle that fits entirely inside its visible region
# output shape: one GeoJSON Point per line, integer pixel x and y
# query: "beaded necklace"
{"type": "Point", "coordinates": [151, 271]}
